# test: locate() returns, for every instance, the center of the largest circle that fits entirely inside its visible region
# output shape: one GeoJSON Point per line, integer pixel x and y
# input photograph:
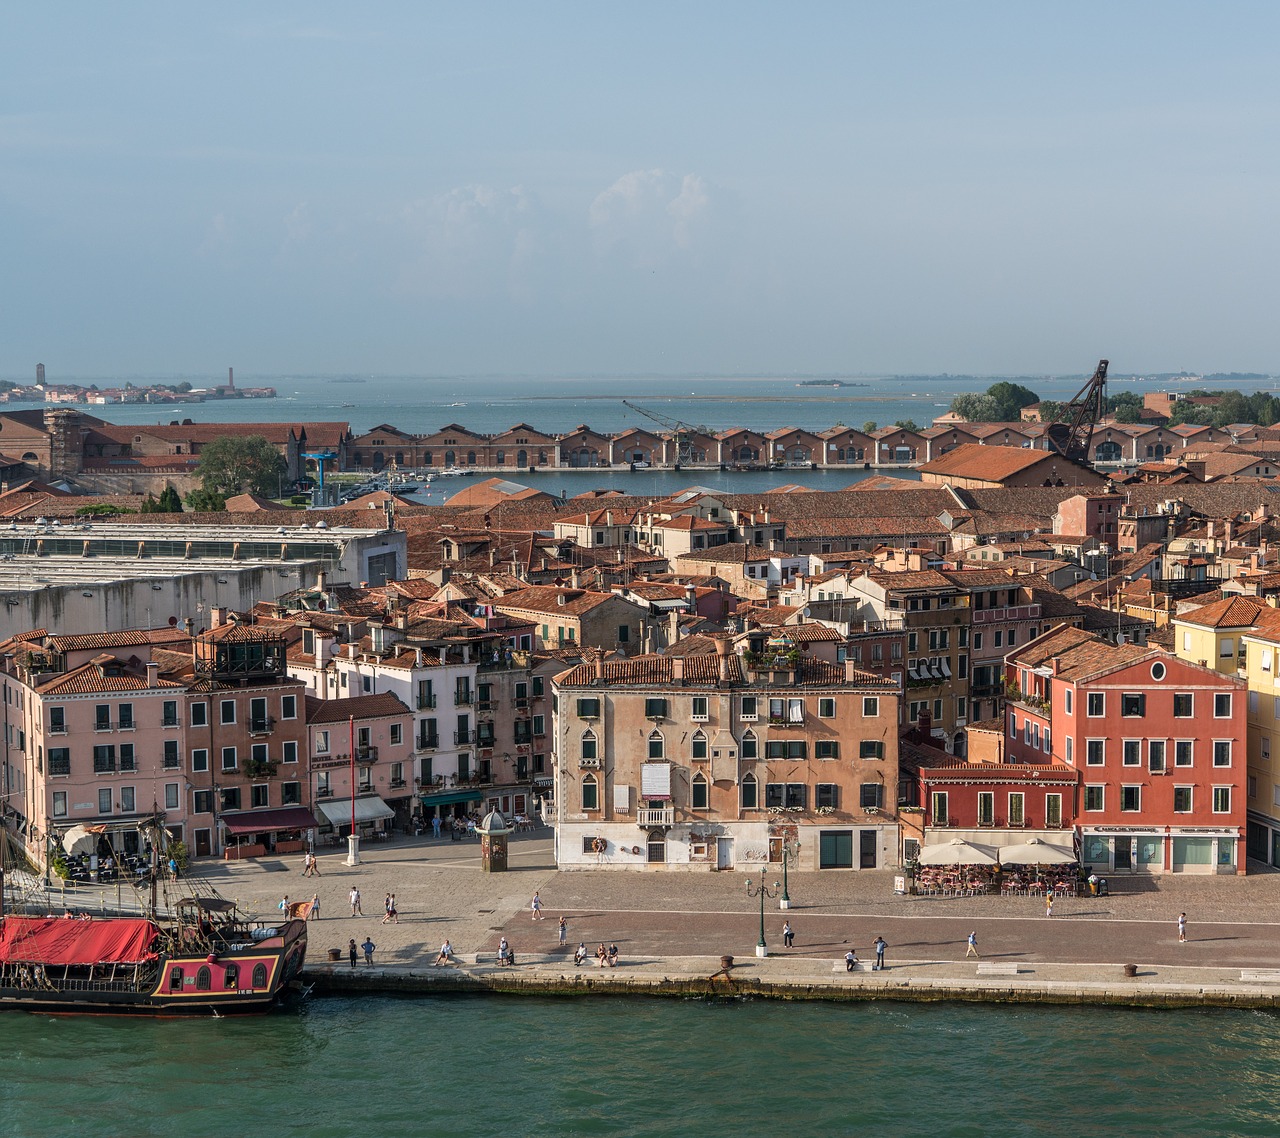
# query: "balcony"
{"type": "Point", "coordinates": [589, 764]}
{"type": "Point", "coordinates": [428, 742]}
{"type": "Point", "coordinates": [1006, 615]}
{"type": "Point", "coordinates": [366, 754]}
{"type": "Point", "coordinates": [462, 699]}
{"type": "Point", "coordinates": [263, 725]}
{"type": "Point", "coordinates": [426, 702]}
{"type": "Point", "coordinates": [461, 737]}
{"type": "Point", "coordinates": [521, 704]}
{"type": "Point", "coordinates": [487, 705]}
{"type": "Point", "coordinates": [57, 729]}
{"type": "Point", "coordinates": [649, 816]}
{"type": "Point", "coordinates": [171, 721]}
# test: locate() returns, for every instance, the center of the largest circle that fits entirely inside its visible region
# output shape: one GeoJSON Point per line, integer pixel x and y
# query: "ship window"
{"type": "Point", "coordinates": [202, 979]}
{"type": "Point", "coordinates": [259, 975]}
{"type": "Point", "coordinates": [175, 979]}
{"type": "Point", "coordinates": [231, 978]}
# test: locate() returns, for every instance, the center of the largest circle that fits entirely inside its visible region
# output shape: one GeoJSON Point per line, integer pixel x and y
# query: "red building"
{"type": "Point", "coordinates": [1159, 744]}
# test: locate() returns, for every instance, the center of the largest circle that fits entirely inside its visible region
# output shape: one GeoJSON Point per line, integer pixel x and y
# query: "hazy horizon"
{"type": "Point", "coordinates": [828, 189]}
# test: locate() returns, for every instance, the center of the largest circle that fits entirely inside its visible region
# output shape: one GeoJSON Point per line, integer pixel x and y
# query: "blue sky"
{"type": "Point", "coordinates": [660, 188]}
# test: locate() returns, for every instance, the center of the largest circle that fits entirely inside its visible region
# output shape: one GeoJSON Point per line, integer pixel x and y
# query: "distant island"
{"type": "Point", "coordinates": [827, 383]}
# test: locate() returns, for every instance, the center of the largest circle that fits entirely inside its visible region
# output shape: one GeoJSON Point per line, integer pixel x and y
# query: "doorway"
{"type": "Point", "coordinates": [657, 847]}
{"type": "Point", "coordinates": [868, 840]}
{"type": "Point", "coordinates": [204, 846]}
{"type": "Point", "coordinates": [1124, 854]}
{"type": "Point", "coordinates": [724, 853]}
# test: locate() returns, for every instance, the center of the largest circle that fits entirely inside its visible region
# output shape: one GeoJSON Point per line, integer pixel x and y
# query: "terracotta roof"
{"type": "Point", "coordinates": [1231, 612]}
{"type": "Point", "coordinates": [990, 463]}
{"type": "Point", "coordinates": [379, 706]}
{"type": "Point", "coordinates": [1080, 654]}
{"type": "Point", "coordinates": [130, 638]}
{"type": "Point", "coordinates": [546, 599]}
{"type": "Point", "coordinates": [102, 674]}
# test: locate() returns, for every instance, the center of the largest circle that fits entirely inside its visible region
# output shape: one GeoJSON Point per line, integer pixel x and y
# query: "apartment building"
{"type": "Point", "coordinates": [720, 761]}
{"type": "Point", "coordinates": [1159, 743]}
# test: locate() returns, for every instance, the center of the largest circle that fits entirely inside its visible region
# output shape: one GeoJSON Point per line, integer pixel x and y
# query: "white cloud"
{"type": "Point", "coordinates": [647, 214]}
{"type": "Point", "coordinates": [471, 241]}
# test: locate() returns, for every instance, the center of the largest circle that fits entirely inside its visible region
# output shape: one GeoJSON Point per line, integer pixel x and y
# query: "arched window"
{"type": "Point", "coordinates": [750, 792]}
{"type": "Point", "coordinates": [750, 746]}
{"type": "Point", "coordinates": [699, 745]}
{"type": "Point", "coordinates": [471, 458]}
{"type": "Point", "coordinates": [450, 457]}
{"type": "Point", "coordinates": [522, 458]}
{"type": "Point", "coordinates": [426, 458]}
{"type": "Point", "coordinates": [399, 458]}
{"type": "Point", "coordinates": [378, 459]}
{"type": "Point", "coordinates": [259, 975]}
{"type": "Point", "coordinates": [590, 793]}
{"type": "Point", "coordinates": [589, 750]}
{"type": "Point", "coordinates": [202, 979]}
{"type": "Point", "coordinates": [657, 748]}
{"type": "Point", "coordinates": [500, 458]}
{"type": "Point", "coordinates": [700, 792]}
{"type": "Point", "coordinates": [542, 458]}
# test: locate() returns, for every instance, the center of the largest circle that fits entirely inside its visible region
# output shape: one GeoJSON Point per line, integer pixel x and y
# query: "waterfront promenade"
{"type": "Point", "coordinates": [676, 925]}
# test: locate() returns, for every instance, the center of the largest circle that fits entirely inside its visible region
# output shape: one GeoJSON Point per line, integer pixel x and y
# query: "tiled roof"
{"type": "Point", "coordinates": [129, 638]}
{"type": "Point", "coordinates": [1232, 612]}
{"type": "Point", "coordinates": [1080, 654]}
{"type": "Point", "coordinates": [379, 706]}
{"type": "Point", "coordinates": [546, 599]}
{"type": "Point", "coordinates": [990, 463]}
{"type": "Point", "coordinates": [100, 675]}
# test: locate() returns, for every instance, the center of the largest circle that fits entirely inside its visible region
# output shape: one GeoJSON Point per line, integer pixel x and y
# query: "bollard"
{"type": "Point", "coordinates": [1131, 970]}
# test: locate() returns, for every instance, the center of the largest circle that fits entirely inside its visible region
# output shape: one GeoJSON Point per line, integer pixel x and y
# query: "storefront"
{"type": "Point", "coordinates": [253, 833]}
{"type": "Point", "coordinates": [449, 804]}
{"type": "Point", "coordinates": [371, 816]}
{"type": "Point", "coordinates": [1200, 849]}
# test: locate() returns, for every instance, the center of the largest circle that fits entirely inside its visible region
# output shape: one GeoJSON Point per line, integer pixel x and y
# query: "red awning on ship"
{"type": "Point", "coordinates": [262, 821]}
{"type": "Point", "coordinates": [54, 940]}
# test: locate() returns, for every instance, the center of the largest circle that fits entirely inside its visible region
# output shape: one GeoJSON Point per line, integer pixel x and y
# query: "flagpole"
{"type": "Point", "coordinates": [353, 840]}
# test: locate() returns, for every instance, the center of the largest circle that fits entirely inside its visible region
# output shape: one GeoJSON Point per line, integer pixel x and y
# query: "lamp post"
{"type": "Point", "coordinates": [788, 852]}
{"type": "Point", "coordinates": [762, 890]}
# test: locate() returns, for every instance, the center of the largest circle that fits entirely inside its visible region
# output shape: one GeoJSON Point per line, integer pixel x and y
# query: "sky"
{"type": "Point", "coordinates": [663, 188]}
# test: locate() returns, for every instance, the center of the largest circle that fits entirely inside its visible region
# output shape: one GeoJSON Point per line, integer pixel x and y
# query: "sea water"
{"type": "Point", "coordinates": [485, 1066]}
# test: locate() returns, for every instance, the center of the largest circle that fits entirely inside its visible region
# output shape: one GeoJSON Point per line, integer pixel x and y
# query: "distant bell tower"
{"type": "Point", "coordinates": [40, 373]}
{"type": "Point", "coordinates": [231, 378]}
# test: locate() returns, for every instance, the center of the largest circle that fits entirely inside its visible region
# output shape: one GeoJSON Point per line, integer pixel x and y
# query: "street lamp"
{"type": "Point", "coordinates": [788, 854]}
{"type": "Point", "coordinates": [763, 891]}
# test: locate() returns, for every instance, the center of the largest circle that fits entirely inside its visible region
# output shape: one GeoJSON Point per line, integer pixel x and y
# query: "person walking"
{"type": "Point", "coordinates": [306, 863]}
{"type": "Point", "coordinates": [351, 950]}
{"type": "Point", "coordinates": [850, 960]}
{"type": "Point", "coordinates": [368, 947]}
{"type": "Point", "coordinates": [536, 906]}
{"type": "Point", "coordinates": [564, 930]}
{"type": "Point", "coordinates": [1048, 903]}
{"type": "Point", "coordinates": [354, 898]}
{"type": "Point", "coordinates": [435, 827]}
{"type": "Point", "coordinates": [972, 950]}
{"type": "Point", "coordinates": [880, 945]}
{"type": "Point", "coordinates": [386, 909]}
{"type": "Point", "coordinates": [788, 935]}
{"type": "Point", "coordinates": [284, 905]}
{"type": "Point", "coordinates": [392, 915]}
{"type": "Point", "coordinates": [314, 913]}
{"type": "Point", "coordinates": [1182, 928]}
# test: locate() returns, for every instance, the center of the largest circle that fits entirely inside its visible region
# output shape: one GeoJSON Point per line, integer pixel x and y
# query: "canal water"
{"type": "Point", "coordinates": [487, 1066]}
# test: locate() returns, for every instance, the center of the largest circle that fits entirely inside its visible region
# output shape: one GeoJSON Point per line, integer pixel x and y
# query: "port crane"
{"type": "Point", "coordinates": [681, 433]}
{"type": "Point", "coordinates": [1072, 433]}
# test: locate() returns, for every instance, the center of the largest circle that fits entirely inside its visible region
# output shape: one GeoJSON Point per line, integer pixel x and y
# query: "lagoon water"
{"type": "Point", "coordinates": [487, 1066]}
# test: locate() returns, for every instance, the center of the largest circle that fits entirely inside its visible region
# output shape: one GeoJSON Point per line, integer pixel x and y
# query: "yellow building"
{"type": "Point", "coordinates": [1241, 635]}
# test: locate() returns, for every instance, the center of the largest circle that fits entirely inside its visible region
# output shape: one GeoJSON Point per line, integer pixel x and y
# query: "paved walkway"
{"type": "Point", "coordinates": [1233, 922]}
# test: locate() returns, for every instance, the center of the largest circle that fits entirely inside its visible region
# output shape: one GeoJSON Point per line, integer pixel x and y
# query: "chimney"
{"type": "Point", "coordinates": [926, 723]}
{"type": "Point", "coordinates": [153, 675]}
{"type": "Point", "coordinates": [599, 666]}
{"type": "Point", "coordinates": [677, 669]}
{"type": "Point", "coordinates": [850, 672]}
{"type": "Point", "coordinates": [217, 616]}
{"type": "Point", "coordinates": [673, 632]}
{"type": "Point", "coordinates": [691, 597]}
{"type": "Point", "coordinates": [608, 518]}
{"type": "Point", "coordinates": [188, 626]}
{"type": "Point", "coordinates": [417, 653]}
{"type": "Point", "coordinates": [722, 657]}
{"type": "Point", "coordinates": [322, 581]}
{"type": "Point", "coordinates": [1055, 664]}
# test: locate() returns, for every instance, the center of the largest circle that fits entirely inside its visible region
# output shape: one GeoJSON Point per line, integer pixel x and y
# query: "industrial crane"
{"type": "Point", "coordinates": [1071, 435]}
{"type": "Point", "coordinates": [681, 433]}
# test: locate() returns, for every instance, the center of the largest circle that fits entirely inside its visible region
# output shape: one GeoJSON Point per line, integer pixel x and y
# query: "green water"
{"type": "Point", "coordinates": [491, 1066]}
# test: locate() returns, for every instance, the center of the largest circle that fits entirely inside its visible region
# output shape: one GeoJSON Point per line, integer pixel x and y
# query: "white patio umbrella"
{"type": "Point", "coordinates": [1035, 852]}
{"type": "Point", "coordinates": [78, 839]}
{"type": "Point", "coordinates": [958, 852]}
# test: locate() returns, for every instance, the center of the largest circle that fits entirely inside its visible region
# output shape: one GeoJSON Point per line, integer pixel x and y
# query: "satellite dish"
{"type": "Point", "coordinates": [1122, 640]}
{"type": "Point", "coordinates": [807, 613]}
{"type": "Point", "coordinates": [173, 621]}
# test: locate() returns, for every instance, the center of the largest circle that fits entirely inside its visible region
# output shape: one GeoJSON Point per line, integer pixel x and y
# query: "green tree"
{"type": "Point", "coordinates": [150, 505]}
{"type": "Point", "coordinates": [1127, 413]}
{"type": "Point", "coordinates": [1050, 409]}
{"type": "Point", "coordinates": [907, 424]}
{"type": "Point", "coordinates": [169, 502]}
{"type": "Point", "coordinates": [975, 408]}
{"type": "Point", "coordinates": [206, 501]}
{"type": "Point", "coordinates": [237, 463]}
{"type": "Point", "coordinates": [869, 426]}
{"type": "Point", "coordinates": [1010, 399]}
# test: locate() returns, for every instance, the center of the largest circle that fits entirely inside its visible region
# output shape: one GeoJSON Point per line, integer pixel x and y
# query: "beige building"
{"type": "Point", "coordinates": [721, 762]}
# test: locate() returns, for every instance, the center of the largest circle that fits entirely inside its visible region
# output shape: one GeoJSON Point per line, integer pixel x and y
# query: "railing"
{"type": "Point", "coordinates": [104, 766]}
{"type": "Point", "coordinates": [464, 737]}
{"type": "Point", "coordinates": [428, 742]}
{"type": "Point", "coordinates": [57, 729]}
{"type": "Point", "coordinates": [462, 699]}
{"type": "Point", "coordinates": [656, 816]}
{"type": "Point", "coordinates": [521, 704]}
{"type": "Point", "coordinates": [589, 764]}
{"type": "Point", "coordinates": [172, 762]}
{"type": "Point", "coordinates": [171, 722]}
{"type": "Point", "coordinates": [59, 766]}
{"type": "Point", "coordinates": [104, 725]}
{"type": "Point", "coordinates": [325, 792]}
{"type": "Point", "coordinates": [1008, 613]}
{"type": "Point", "coordinates": [261, 726]}
{"type": "Point", "coordinates": [366, 754]}
{"type": "Point", "coordinates": [487, 704]}
{"type": "Point", "coordinates": [426, 702]}
{"type": "Point", "coordinates": [483, 740]}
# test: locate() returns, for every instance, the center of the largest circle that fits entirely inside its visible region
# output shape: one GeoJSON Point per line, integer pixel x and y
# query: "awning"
{"type": "Point", "coordinates": [371, 808]}
{"type": "Point", "coordinates": [450, 797]}
{"type": "Point", "coordinates": [261, 821]}
{"type": "Point", "coordinates": [55, 941]}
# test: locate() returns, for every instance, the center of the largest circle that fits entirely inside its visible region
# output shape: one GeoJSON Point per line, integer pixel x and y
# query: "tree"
{"type": "Point", "coordinates": [1010, 399]}
{"type": "Point", "coordinates": [1127, 413]}
{"type": "Point", "coordinates": [206, 501]}
{"type": "Point", "coordinates": [907, 424]}
{"type": "Point", "coordinates": [169, 502]}
{"type": "Point", "coordinates": [869, 426]}
{"type": "Point", "coordinates": [975, 408]}
{"type": "Point", "coordinates": [1050, 409]}
{"type": "Point", "coordinates": [237, 463]}
{"type": "Point", "coordinates": [150, 505]}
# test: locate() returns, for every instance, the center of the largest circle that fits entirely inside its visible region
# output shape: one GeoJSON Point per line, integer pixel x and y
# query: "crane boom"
{"type": "Point", "coordinates": [1071, 435]}
{"type": "Point", "coordinates": [681, 433]}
